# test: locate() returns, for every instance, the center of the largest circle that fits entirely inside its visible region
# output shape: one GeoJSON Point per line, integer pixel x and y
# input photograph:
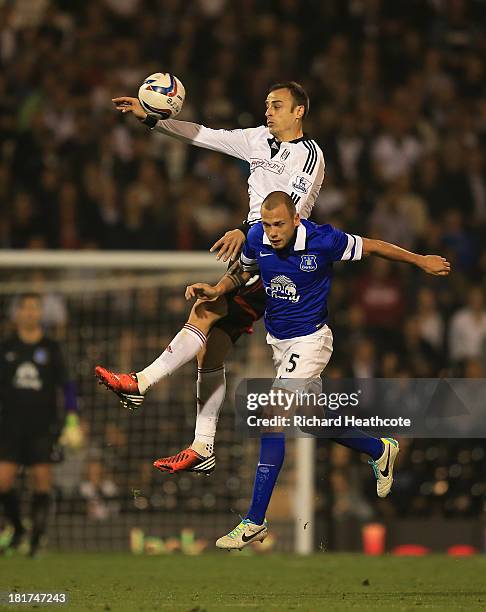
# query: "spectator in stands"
{"type": "Point", "coordinates": [430, 321]}
{"type": "Point", "coordinates": [467, 336]}
{"type": "Point", "coordinates": [380, 295]}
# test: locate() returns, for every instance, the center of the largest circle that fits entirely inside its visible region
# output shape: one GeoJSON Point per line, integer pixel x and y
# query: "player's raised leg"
{"type": "Point", "coordinates": [244, 307]}
{"type": "Point", "coordinates": [184, 347]}
{"type": "Point", "coordinates": [211, 390]}
{"type": "Point", "coordinates": [299, 362]}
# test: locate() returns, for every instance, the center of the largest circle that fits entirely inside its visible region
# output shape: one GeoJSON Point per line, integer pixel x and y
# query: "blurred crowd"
{"type": "Point", "coordinates": [434, 478]}
{"type": "Point", "coordinates": [398, 105]}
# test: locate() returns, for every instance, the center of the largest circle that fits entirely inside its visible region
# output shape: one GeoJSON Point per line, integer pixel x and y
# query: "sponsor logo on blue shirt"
{"type": "Point", "coordinates": [283, 288]}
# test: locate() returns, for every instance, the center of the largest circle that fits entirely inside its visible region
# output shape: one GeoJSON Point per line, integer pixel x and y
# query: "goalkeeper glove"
{"type": "Point", "coordinates": [72, 435]}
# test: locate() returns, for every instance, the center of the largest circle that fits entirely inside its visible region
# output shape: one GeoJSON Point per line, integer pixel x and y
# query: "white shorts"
{"type": "Point", "coordinates": [304, 357]}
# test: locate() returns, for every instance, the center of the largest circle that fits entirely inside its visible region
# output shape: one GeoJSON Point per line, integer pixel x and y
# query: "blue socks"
{"type": "Point", "coordinates": [272, 453]}
{"type": "Point", "coordinates": [360, 441]}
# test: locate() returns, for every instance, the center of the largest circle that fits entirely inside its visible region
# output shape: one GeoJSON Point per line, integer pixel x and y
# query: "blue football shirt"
{"type": "Point", "coordinates": [297, 279]}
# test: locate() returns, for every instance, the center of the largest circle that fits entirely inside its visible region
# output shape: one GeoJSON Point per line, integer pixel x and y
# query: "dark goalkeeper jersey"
{"type": "Point", "coordinates": [31, 376]}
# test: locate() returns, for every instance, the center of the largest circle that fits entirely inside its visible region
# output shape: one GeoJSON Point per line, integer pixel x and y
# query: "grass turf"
{"type": "Point", "coordinates": [227, 581]}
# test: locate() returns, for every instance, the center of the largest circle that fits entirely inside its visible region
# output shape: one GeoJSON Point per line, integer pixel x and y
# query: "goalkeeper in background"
{"type": "Point", "coordinates": [33, 372]}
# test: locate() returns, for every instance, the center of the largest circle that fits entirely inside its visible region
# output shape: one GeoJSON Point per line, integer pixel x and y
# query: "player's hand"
{"type": "Point", "coordinates": [435, 264]}
{"type": "Point", "coordinates": [130, 105]}
{"type": "Point", "coordinates": [72, 435]}
{"type": "Point", "coordinates": [229, 245]}
{"type": "Point", "coordinates": [202, 291]}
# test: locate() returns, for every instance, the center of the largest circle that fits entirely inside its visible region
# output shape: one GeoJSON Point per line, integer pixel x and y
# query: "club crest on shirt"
{"type": "Point", "coordinates": [283, 288]}
{"type": "Point", "coordinates": [308, 263]}
{"type": "Point", "coordinates": [301, 184]}
{"type": "Point", "coordinates": [41, 356]}
{"type": "Point", "coordinates": [27, 377]}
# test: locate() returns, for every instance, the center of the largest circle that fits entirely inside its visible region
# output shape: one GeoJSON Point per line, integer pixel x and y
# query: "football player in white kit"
{"type": "Point", "coordinates": [281, 157]}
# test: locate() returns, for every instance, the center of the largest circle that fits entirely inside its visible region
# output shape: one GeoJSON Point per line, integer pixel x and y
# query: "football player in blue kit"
{"type": "Point", "coordinates": [294, 258]}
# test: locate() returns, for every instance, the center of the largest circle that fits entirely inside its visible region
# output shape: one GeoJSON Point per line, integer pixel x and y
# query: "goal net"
{"type": "Point", "coordinates": [121, 310]}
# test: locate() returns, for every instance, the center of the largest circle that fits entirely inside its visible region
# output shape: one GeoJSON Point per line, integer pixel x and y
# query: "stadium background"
{"type": "Point", "coordinates": [398, 106]}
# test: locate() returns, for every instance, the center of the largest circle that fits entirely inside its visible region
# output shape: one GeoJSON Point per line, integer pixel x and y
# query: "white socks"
{"type": "Point", "coordinates": [211, 389]}
{"type": "Point", "coordinates": [184, 347]}
{"type": "Point", "coordinates": [211, 383]}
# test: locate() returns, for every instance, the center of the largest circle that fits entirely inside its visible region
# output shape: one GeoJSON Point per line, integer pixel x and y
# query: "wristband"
{"type": "Point", "coordinates": [244, 227]}
{"type": "Point", "coordinates": [151, 120]}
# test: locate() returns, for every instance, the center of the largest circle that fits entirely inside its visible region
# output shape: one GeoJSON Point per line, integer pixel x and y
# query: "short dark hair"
{"type": "Point", "coordinates": [275, 198]}
{"type": "Point", "coordinates": [299, 94]}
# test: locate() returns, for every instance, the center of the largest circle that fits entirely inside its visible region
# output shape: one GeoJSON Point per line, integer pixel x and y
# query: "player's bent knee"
{"type": "Point", "coordinates": [205, 314]}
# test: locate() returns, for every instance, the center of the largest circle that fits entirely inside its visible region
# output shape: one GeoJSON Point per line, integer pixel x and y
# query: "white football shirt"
{"type": "Point", "coordinates": [296, 167]}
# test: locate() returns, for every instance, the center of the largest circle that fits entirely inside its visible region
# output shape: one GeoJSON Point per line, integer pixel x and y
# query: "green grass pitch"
{"type": "Point", "coordinates": [229, 581]}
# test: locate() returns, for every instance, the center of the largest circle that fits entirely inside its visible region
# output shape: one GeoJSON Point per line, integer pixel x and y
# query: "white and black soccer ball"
{"type": "Point", "coordinates": [162, 94]}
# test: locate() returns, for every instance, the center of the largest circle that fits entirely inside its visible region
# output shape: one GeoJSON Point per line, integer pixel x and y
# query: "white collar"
{"type": "Point", "coordinates": [300, 239]}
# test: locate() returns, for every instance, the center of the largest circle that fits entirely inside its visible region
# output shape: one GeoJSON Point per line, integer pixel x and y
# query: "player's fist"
{"type": "Point", "coordinates": [72, 435]}
{"type": "Point", "coordinates": [201, 291]}
{"type": "Point", "coordinates": [130, 105]}
{"type": "Point", "coordinates": [435, 264]}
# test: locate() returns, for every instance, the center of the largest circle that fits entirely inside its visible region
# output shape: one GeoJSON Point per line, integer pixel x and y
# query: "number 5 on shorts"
{"type": "Point", "coordinates": [292, 362]}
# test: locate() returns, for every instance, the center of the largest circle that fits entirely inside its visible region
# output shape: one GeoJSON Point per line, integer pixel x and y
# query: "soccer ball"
{"type": "Point", "coordinates": [162, 94]}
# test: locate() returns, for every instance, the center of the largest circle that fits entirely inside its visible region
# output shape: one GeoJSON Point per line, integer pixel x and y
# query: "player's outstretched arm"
{"type": "Point", "coordinates": [235, 277]}
{"type": "Point", "coordinates": [432, 264]}
{"type": "Point", "coordinates": [231, 142]}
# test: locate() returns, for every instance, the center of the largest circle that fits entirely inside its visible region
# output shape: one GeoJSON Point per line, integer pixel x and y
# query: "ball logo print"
{"type": "Point", "coordinates": [162, 94]}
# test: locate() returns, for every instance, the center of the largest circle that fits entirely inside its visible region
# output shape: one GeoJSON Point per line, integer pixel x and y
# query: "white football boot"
{"type": "Point", "coordinates": [243, 534]}
{"type": "Point", "coordinates": [383, 467]}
